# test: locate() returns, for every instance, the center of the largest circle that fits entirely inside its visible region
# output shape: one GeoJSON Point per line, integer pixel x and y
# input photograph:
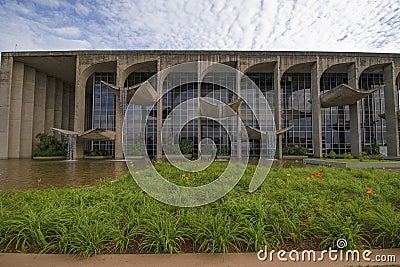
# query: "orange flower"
{"type": "Point", "coordinates": [288, 175]}
{"type": "Point", "coordinates": [319, 175]}
{"type": "Point", "coordinates": [370, 191]}
{"type": "Point", "coordinates": [310, 176]}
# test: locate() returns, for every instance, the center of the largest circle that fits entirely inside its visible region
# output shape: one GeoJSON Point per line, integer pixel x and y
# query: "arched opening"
{"type": "Point", "coordinates": [137, 74]}
{"type": "Point", "coordinates": [373, 125]}
{"type": "Point", "coordinates": [296, 108]}
{"type": "Point", "coordinates": [100, 106]}
{"type": "Point", "coordinates": [262, 75]}
{"type": "Point", "coordinates": [335, 121]}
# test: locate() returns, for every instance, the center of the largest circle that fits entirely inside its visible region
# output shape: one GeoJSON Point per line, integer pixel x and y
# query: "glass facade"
{"type": "Point", "coordinates": [335, 120]}
{"type": "Point", "coordinates": [180, 88]}
{"type": "Point", "coordinates": [264, 81]}
{"type": "Point", "coordinates": [296, 110]}
{"type": "Point", "coordinates": [373, 127]}
{"type": "Point", "coordinates": [103, 113]}
{"type": "Point", "coordinates": [151, 127]}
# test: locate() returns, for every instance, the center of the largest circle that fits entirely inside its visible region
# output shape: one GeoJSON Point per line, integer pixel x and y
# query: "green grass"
{"type": "Point", "coordinates": [288, 211]}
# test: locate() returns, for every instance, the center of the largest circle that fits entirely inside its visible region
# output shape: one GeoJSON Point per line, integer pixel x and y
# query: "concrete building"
{"type": "Point", "coordinates": [342, 102]}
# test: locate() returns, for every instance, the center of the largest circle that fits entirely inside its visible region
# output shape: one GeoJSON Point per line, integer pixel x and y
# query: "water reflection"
{"type": "Point", "coordinates": [35, 174]}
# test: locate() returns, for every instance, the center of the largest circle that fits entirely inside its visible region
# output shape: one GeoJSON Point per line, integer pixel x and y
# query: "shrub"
{"type": "Point", "coordinates": [293, 150]}
{"type": "Point", "coordinates": [347, 155]}
{"type": "Point", "coordinates": [186, 146]}
{"type": "Point", "coordinates": [222, 151]}
{"type": "Point", "coordinates": [97, 153]}
{"type": "Point", "coordinates": [48, 146]}
{"type": "Point", "coordinates": [363, 156]}
{"type": "Point", "coordinates": [380, 157]}
{"type": "Point", "coordinates": [332, 154]}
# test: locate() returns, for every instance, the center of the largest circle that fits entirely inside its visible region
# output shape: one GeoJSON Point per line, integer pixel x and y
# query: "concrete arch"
{"type": "Point", "coordinates": [108, 66]}
{"type": "Point", "coordinates": [145, 66]}
{"type": "Point", "coordinates": [262, 67]}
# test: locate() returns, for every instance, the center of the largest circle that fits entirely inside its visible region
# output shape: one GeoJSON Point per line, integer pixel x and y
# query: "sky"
{"type": "Point", "coordinates": [271, 25]}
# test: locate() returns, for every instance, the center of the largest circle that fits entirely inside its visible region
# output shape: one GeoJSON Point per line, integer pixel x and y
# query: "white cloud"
{"type": "Point", "coordinates": [354, 25]}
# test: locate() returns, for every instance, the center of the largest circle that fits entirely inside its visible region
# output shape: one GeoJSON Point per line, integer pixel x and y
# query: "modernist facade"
{"type": "Point", "coordinates": [342, 102]}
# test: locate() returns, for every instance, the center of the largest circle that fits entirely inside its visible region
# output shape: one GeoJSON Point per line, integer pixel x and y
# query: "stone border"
{"type": "Point", "coordinates": [172, 260]}
{"type": "Point", "coordinates": [97, 157]}
{"type": "Point", "coordinates": [365, 164]}
{"type": "Point", "coordinates": [294, 157]}
{"type": "Point", "coordinates": [50, 158]}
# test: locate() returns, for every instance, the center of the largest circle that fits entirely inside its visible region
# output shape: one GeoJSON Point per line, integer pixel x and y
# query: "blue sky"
{"type": "Point", "coordinates": [330, 25]}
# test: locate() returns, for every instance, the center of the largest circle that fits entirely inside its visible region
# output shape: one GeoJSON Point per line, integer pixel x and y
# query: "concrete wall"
{"type": "Point", "coordinates": [57, 103]}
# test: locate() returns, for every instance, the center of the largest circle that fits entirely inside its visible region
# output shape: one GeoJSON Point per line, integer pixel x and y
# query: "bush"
{"type": "Point", "coordinates": [294, 150]}
{"type": "Point", "coordinates": [380, 157]}
{"type": "Point", "coordinates": [347, 155]}
{"type": "Point", "coordinates": [363, 156]}
{"type": "Point", "coordinates": [332, 154]}
{"type": "Point", "coordinates": [186, 146]}
{"type": "Point", "coordinates": [49, 146]}
{"type": "Point", "coordinates": [97, 153]}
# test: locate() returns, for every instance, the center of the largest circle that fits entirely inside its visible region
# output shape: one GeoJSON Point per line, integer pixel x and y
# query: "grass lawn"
{"type": "Point", "coordinates": [293, 209]}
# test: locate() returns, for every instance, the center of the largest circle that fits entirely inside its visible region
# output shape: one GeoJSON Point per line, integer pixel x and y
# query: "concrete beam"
{"type": "Point", "coordinates": [39, 108]}
{"type": "Point", "coordinates": [14, 133]}
{"type": "Point", "coordinates": [391, 108]}
{"type": "Point", "coordinates": [354, 109]}
{"type": "Point", "coordinates": [71, 108]}
{"type": "Point", "coordinates": [316, 110]}
{"type": "Point", "coordinates": [50, 104]}
{"type": "Point", "coordinates": [5, 89]}
{"type": "Point", "coordinates": [28, 96]}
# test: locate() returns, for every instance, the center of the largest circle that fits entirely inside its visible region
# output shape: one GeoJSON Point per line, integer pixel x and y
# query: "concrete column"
{"type": "Point", "coordinates": [159, 113]}
{"type": "Point", "coordinates": [5, 89]}
{"type": "Point", "coordinates": [65, 107]}
{"type": "Point", "coordinates": [50, 103]}
{"type": "Point", "coordinates": [239, 113]}
{"type": "Point", "coordinates": [316, 110]}
{"type": "Point", "coordinates": [14, 133]}
{"type": "Point", "coordinates": [58, 104]}
{"type": "Point", "coordinates": [28, 96]}
{"type": "Point", "coordinates": [119, 119]}
{"type": "Point", "coordinates": [355, 118]}
{"type": "Point", "coordinates": [39, 109]}
{"type": "Point", "coordinates": [278, 107]}
{"type": "Point", "coordinates": [79, 109]}
{"type": "Point", "coordinates": [391, 107]}
{"type": "Point", "coordinates": [71, 108]}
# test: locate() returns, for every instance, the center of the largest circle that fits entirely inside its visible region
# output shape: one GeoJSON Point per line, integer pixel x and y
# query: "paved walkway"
{"type": "Point", "coordinates": [180, 260]}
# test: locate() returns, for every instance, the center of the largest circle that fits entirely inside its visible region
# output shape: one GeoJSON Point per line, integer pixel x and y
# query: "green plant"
{"type": "Point", "coordinates": [223, 151]}
{"type": "Point", "coordinates": [347, 155]}
{"type": "Point", "coordinates": [380, 157]}
{"type": "Point", "coordinates": [97, 152]}
{"type": "Point", "coordinates": [294, 150]}
{"type": "Point", "coordinates": [137, 147]}
{"type": "Point", "coordinates": [332, 154]}
{"type": "Point", "coordinates": [186, 146]}
{"type": "Point", "coordinates": [49, 145]}
{"type": "Point", "coordinates": [363, 156]}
